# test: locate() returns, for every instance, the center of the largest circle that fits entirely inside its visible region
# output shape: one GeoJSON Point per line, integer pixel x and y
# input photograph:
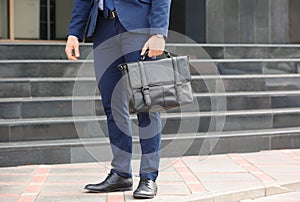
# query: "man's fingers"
{"type": "Point", "coordinates": [146, 46]}
{"type": "Point", "coordinates": [69, 53]}
{"type": "Point", "coordinates": [77, 53]}
{"type": "Point", "coordinates": [72, 57]}
{"type": "Point", "coordinates": [72, 49]}
{"type": "Point", "coordinates": [155, 52]}
{"type": "Point", "coordinates": [151, 53]}
{"type": "Point", "coordinates": [156, 46]}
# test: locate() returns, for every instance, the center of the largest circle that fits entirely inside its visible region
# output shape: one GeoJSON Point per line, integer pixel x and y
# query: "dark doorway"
{"type": "Point", "coordinates": [294, 15]}
{"type": "Point", "coordinates": [47, 31]}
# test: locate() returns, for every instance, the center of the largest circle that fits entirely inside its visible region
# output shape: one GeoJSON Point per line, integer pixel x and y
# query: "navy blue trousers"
{"type": "Point", "coordinates": [113, 46]}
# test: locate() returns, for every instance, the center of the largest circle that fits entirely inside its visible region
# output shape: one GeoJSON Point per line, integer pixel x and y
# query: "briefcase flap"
{"type": "Point", "coordinates": [159, 72]}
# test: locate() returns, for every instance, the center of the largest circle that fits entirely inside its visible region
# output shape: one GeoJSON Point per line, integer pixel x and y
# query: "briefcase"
{"type": "Point", "coordinates": [157, 85]}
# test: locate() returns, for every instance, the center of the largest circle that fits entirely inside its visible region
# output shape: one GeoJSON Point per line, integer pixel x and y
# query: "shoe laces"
{"type": "Point", "coordinates": [145, 181]}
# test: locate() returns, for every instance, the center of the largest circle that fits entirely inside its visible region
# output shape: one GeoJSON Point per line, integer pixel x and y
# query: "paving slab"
{"type": "Point", "coordinates": [15, 178]}
{"type": "Point", "coordinates": [217, 168]}
{"type": "Point", "coordinates": [286, 197]}
{"type": "Point", "coordinates": [9, 198]}
{"type": "Point", "coordinates": [12, 189]}
{"type": "Point", "coordinates": [23, 169]}
{"type": "Point", "coordinates": [283, 168]}
{"type": "Point", "coordinates": [81, 198]}
{"type": "Point", "coordinates": [270, 158]}
{"type": "Point", "coordinates": [226, 177]}
{"type": "Point", "coordinates": [219, 187]}
{"type": "Point", "coordinates": [285, 176]}
{"type": "Point", "coordinates": [214, 178]}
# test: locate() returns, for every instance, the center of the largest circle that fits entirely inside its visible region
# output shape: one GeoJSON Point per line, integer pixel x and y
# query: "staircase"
{"type": "Point", "coordinates": [44, 119]}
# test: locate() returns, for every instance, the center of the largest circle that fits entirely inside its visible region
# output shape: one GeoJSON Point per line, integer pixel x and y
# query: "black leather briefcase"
{"type": "Point", "coordinates": [157, 85]}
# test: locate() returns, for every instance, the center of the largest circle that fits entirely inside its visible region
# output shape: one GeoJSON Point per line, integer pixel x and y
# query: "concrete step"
{"type": "Point", "coordinates": [48, 87]}
{"type": "Point", "coordinates": [65, 68]}
{"type": "Point", "coordinates": [238, 83]}
{"type": "Point", "coordinates": [38, 51]}
{"type": "Point", "coordinates": [236, 51]}
{"type": "Point", "coordinates": [245, 66]}
{"type": "Point", "coordinates": [43, 107]}
{"type": "Point", "coordinates": [215, 51]}
{"type": "Point", "coordinates": [186, 122]}
{"type": "Point", "coordinates": [173, 145]}
{"type": "Point", "coordinates": [45, 68]}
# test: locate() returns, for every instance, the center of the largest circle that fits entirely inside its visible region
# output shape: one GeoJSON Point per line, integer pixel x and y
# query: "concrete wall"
{"type": "Point", "coordinates": [247, 21]}
{"type": "Point", "coordinates": [3, 19]}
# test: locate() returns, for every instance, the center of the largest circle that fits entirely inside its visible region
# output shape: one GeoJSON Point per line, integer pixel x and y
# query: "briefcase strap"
{"type": "Point", "coordinates": [178, 83]}
{"type": "Point", "coordinates": [145, 86]}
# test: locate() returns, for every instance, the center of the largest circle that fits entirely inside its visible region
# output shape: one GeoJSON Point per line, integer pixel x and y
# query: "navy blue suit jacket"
{"type": "Point", "coordinates": [133, 15]}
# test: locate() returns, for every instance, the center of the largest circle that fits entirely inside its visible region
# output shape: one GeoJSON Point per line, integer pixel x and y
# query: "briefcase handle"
{"type": "Point", "coordinates": [165, 54]}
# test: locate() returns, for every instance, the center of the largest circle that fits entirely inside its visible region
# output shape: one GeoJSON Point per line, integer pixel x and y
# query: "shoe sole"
{"type": "Point", "coordinates": [141, 196]}
{"type": "Point", "coordinates": [106, 191]}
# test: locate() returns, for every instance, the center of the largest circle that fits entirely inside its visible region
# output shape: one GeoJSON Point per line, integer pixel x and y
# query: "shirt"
{"type": "Point", "coordinates": [101, 4]}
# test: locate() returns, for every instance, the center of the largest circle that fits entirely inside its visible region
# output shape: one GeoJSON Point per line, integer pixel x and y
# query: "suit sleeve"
{"type": "Point", "coordinates": [160, 14]}
{"type": "Point", "coordinates": [80, 17]}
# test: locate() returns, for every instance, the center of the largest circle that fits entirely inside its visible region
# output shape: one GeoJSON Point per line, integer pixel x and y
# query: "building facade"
{"type": "Point", "coordinates": [205, 21]}
{"type": "Point", "coordinates": [34, 19]}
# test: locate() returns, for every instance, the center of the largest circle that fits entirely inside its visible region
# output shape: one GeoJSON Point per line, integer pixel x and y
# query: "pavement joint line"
{"type": "Point", "coordinates": [253, 170]}
{"type": "Point", "coordinates": [196, 186]}
{"type": "Point", "coordinates": [178, 163]}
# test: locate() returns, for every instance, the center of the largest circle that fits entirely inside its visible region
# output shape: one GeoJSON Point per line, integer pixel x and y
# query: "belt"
{"type": "Point", "coordinates": [110, 14]}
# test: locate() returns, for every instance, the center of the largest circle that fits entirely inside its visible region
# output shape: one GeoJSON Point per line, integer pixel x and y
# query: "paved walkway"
{"type": "Point", "coordinates": [229, 177]}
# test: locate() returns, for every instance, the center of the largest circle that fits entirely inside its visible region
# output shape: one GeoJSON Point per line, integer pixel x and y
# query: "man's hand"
{"type": "Point", "coordinates": [72, 48]}
{"type": "Point", "coordinates": [156, 46]}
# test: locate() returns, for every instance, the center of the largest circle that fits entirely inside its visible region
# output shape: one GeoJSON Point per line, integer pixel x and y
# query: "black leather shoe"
{"type": "Point", "coordinates": [147, 189]}
{"type": "Point", "coordinates": [113, 182]}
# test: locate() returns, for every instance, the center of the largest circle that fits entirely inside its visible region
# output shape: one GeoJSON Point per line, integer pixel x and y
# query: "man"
{"type": "Point", "coordinates": [122, 31]}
